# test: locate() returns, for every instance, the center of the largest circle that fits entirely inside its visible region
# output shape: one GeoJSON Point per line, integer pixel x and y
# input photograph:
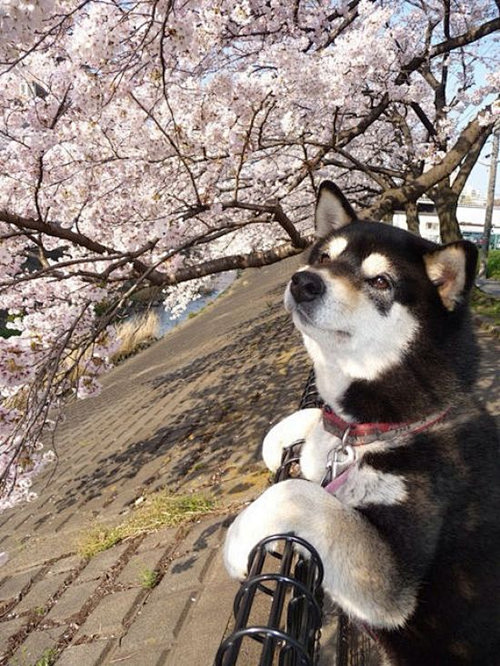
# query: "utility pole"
{"type": "Point", "coordinates": [488, 216]}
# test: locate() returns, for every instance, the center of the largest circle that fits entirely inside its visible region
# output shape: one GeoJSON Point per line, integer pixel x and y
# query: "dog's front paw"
{"type": "Point", "coordinates": [261, 519]}
{"type": "Point", "coordinates": [292, 506]}
{"type": "Point", "coordinates": [295, 427]}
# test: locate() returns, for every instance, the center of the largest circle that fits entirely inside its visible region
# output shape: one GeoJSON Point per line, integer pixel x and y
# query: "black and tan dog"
{"type": "Point", "coordinates": [402, 500]}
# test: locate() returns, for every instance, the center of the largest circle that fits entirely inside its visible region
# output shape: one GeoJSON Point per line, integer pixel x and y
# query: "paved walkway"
{"type": "Point", "coordinates": [491, 287]}
{"type": "Point", "coordinates": [188, 414]}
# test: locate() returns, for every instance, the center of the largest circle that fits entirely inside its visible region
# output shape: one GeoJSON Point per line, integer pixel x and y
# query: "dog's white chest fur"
{"type": "Point", "coordinates": [365, 485]}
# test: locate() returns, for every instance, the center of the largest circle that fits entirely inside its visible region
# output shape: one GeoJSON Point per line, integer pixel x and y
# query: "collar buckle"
{"type": "Point", "coordinates": [338, 460]}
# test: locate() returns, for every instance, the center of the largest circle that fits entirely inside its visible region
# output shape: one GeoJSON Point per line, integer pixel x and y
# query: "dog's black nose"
{"type": "Point", "coordinates": [306, 286]}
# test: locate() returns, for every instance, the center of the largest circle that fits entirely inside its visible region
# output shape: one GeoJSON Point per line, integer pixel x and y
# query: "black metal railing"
{"type": "Point", "coordinates": [277, 610]}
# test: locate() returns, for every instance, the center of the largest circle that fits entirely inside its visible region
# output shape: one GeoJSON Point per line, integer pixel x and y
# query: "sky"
{"type": "Point", "coordinates": [479, 178]}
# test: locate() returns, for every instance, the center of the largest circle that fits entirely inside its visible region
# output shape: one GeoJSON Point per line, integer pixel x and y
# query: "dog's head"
{"type": "Point", "coordinates": [370, 291]}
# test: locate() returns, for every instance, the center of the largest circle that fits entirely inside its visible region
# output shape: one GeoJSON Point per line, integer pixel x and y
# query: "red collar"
{"type": "Point", "coordinates": [357, 434]}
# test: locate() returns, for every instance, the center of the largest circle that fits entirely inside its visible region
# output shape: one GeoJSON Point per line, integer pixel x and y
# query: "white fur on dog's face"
{"type": "Point", "coordinates": [352, 331]}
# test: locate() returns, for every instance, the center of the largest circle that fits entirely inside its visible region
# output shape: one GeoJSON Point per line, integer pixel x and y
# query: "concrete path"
{"type": "Point", "coordinates": [188, 414]}
{"type": "Point", "coordinates": [490, 287]}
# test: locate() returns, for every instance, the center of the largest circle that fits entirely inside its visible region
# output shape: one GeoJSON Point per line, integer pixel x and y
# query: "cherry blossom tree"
{"type": "Point", "coordinates": [155, 143]}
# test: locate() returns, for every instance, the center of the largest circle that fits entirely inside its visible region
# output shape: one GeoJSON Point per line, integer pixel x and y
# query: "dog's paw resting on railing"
{"type": "Point", "coordinates": [360, 570]}
{"type": "Point", "coordinates": [304, 427]}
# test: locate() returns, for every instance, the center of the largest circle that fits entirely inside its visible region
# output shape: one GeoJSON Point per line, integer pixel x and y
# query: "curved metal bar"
{"type": "Point", "coordinates": [288, 629]}
{"type": "Point", "coordinates": [288, 598]}
{"type": "Point", "coordinates": [287, 580]}
{"type": "Point", "coordinates": [262, 634]}
{"type": "Point", "coordinates": [293, 538]}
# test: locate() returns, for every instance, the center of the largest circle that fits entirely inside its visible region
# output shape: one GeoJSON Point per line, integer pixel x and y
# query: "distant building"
{"type": "Point", "coordinates": [470, 218]}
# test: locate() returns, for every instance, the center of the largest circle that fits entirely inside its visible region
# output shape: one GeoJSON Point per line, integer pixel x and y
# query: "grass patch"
{"type": "Point", "coordinates": [135, 334]}
{"type": "Point", "coordinates": [493, 271]}
{"type": "Point", "coordinates": [149, 578]}
{"type": "Point", "coordinates": [97, 539]}
{"type": "Point", "coordinates": [48, 658]}
{"type": "Point", "coordinates": [485, 305]}
{"type": "Point", "coordinates": [159, 510]}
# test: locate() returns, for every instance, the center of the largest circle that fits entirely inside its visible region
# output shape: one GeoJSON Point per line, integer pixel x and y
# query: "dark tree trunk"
{"type": "Point", "coordinates": [412, 218]}
{"type": "Point", "coordinates": [446, 201]}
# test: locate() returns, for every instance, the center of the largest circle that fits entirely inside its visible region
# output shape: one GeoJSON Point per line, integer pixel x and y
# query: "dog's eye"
{"type": "Point", "coordinates": [324, 258]}
{"type": "Point", "coordinates": [379, 282]}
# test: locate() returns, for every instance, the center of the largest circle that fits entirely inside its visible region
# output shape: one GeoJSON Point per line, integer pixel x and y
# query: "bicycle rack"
{"type": "Point", "coordinates": [291, 611]}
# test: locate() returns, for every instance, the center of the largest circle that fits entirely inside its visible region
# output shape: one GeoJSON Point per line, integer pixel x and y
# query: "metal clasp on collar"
{"type": "Point", "coordinates": [341, 456]}
{"type": "Point", "coordinates": [343, 441]}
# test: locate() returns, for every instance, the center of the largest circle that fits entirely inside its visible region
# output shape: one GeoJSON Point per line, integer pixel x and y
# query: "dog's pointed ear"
{"type": "Point", "coordinates": [333, 211]}
{"type": "Point", "coordinates": [452, 269]}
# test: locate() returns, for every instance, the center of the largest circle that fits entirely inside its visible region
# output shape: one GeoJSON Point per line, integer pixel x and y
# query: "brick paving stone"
{"type": "Point", "coordinates": [139, 566]}
{"type": "Point", "coordinates": [158, 621]}
{"type": "Point", "coordinates": [37, 645]}
{"type": "Point", "coordinates": [93, 503]}
{"type": "Point", "coordinates": [40, 593]}
{"type": "Point", "coordinates": [72, 600]}
{"type": "Point", "coordinates": [65, 565]}
{"type": "Point", "coordinates": [20, 518]}
{"type": "Point", "coordinates": [124, 499]}
{"type": "Point", "coordinates": [13, 586]}
{"type": "Point", "coordinates": [184, 572]}
{"type": "Point", "coordinates": [207, 621]}
{"type": "Point", "coordinates": [9, 542]}
{"type": "Point", "coordinates": [39, 550]}
{"type": "Point", "coordinates": [65, 518]}
{"type": "Point", "coordinates": [101, 563]}
{"type": "Point", "coordinates": [4, 517]}
{"type": "Point", "coordinates": [162, 538]}
{"type": "Point", "coordinates": [205, 533]}
{"type": "Point", "coordinates": [106, 620]}
{"type": "Point", "coordinates": [7, 630]}
{"type": "Point", "coordinates": [86, 654]}
{"type": "Point", "coordinates": [154, 656]}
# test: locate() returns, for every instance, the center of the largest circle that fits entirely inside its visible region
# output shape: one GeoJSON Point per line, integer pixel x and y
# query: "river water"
{"type": "Point", "coordinates": [221, 283]}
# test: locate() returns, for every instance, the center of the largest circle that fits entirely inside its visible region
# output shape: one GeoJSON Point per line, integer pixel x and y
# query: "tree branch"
{"type": "Point", "coordinates": [447, 45]}
{"type": "Point", "coordinates": [413, 189]}
{"type": "Point", "coordinates": [237, 261]}
{"type": "Point", "coordinates": [470, 160]}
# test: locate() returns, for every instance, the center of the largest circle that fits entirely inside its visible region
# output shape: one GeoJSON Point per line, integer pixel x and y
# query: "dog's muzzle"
{"type": "Point", "coordinates": [306, 286]}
